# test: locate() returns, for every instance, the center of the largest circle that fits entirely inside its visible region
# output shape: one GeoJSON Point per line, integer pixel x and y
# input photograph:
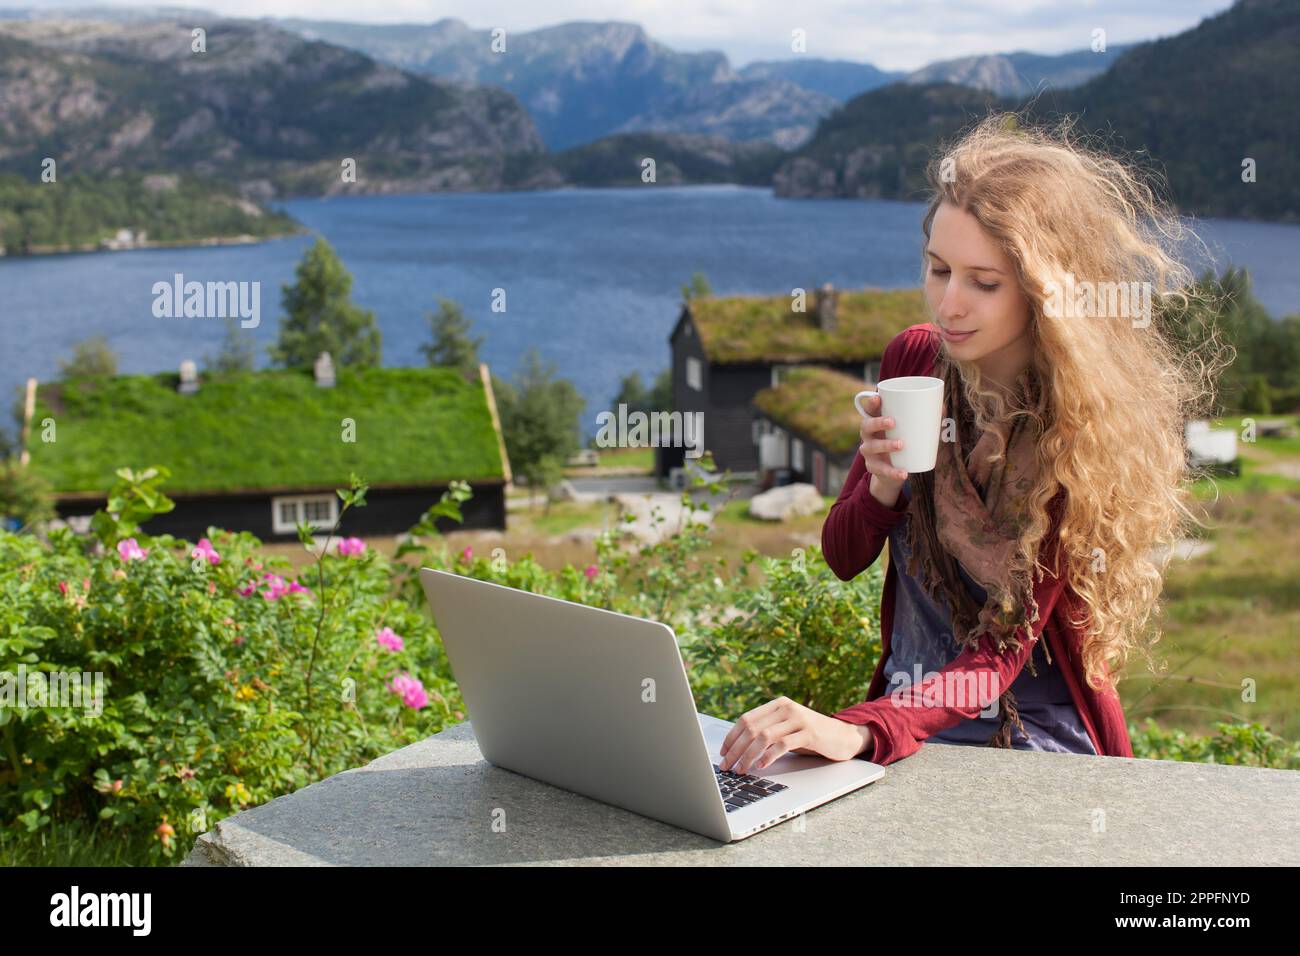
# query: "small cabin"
{"type": "Point", "coordinates": [727, 350]}
{"type": "Point", "coordinates": [260, 451]}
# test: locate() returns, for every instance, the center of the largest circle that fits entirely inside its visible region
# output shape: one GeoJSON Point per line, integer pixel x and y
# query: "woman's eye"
{"type": "Point", "coordinates": [985, 288]}
{"type": "Point", "coordinates": [938, 272]}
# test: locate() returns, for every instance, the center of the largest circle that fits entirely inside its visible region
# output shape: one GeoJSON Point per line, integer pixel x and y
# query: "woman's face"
{"type": "Point", "coordinates": [971, 286]}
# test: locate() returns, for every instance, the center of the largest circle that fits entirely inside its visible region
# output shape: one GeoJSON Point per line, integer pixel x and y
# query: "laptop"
{"type": "Point", "coordinates": [598, 703]}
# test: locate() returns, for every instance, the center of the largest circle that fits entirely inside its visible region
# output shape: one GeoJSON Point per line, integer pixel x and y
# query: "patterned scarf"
{"type": "Point", "coordinates": [972, 511]}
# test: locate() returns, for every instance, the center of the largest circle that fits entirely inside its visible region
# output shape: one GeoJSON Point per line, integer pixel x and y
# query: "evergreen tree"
{"type": "Point", "coordinates": [321, 317]}
{"type": "Point", "coordinates": [452, 345]}
{"type": "Point", "coordinates": [539, 420]}
{"type": "Point", "coordinates": [91, 358]}
{"type": "Point", "coordinates": [697, 288]}
{"type": "Point", "coordinates": [661, 395]}
{"type": "Point", "coordinates": [633, 394]}
{"type": "Point", "coordinates": [236, 353]}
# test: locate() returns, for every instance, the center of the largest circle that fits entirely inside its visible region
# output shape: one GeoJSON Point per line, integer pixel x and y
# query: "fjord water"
{"type": "Point", "coordinates": [592, 277]}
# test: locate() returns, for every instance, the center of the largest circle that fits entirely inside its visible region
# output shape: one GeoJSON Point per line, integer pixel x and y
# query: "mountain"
{"type": "Point", "coordinates": [839, 79]}
{"type": "Point", "coordinates": [1020, 74]}
{"type": "Point", "coordinates": [679, 158]}
{"type": "Point", "coordinates": [584, 80]}
{"type": "Point", "coordinates": [261, 106]}
{"type": "Point", "coordinates": [877, 144]}
{"type": "Point", "coordinates": [1196, 104]}
{"type": "Point", "coordinates": [1205, 100]}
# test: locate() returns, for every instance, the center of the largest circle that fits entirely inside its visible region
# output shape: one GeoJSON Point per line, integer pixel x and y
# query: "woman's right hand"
{"type": "Point", "coordinates": [876, 447]}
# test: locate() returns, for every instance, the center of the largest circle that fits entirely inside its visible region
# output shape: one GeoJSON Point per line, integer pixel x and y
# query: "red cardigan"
{"type": "Point", "coordinates": [856, 530]}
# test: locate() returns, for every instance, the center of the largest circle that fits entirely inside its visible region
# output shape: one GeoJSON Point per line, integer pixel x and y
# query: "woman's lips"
{"type": "Point", "coordinates": [956, 336]}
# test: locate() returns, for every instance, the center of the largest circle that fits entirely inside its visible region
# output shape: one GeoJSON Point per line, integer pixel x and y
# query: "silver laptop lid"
{"type": "Point", "coordinates": [593, 701]}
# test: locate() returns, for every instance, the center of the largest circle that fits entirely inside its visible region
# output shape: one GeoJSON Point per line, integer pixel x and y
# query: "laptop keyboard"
{"type": "Point", "coordinates": [740, 790]}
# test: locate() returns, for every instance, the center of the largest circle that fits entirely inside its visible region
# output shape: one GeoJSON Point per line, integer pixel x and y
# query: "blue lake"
{"type": "Point", "coordinates": [592, 277]}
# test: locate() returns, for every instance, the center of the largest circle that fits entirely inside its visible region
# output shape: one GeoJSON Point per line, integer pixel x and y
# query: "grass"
{"type": "Point", "coordinates": [639, 458]}
{"type": "Point", "coordinates": [814, 401]}
{"type": "Point", "coordinates": [1232, 615]}
{"type": "Point", "coordinates": [758, 328]}
{"type": "Point", "coordinates": [268, 429]}
{"type": "Point", "coordinates": [72, 843]}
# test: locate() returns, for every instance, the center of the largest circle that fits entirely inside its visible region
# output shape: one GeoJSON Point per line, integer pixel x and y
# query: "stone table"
{"type": "Point", "coordinates": [435, 802]}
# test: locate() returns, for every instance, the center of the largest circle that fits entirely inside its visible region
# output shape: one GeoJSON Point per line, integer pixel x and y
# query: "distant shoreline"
{"type": "Point", "coordinates": [239, 240]}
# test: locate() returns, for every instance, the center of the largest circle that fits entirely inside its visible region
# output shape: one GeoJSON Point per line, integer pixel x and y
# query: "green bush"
{"type": "Point", "coordinates": [223, 684]}
{"type": "Point", "coordinates": [228, 682]}
{"type": "Point", "coordinates": [1248, 745]}
{"type": "Point", "coordinates": [801, 633]}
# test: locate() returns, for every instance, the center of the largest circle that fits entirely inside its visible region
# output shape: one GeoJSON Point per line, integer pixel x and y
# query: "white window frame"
{"type": "Point", "coordinates": [796, 454]}
{"type": "Point", "coordinates": [299, 504]}
{"type": "Point", "coordinates": [694, 373]}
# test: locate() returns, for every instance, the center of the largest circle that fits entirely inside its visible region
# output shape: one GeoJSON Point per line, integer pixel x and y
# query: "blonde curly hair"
{"type": "Point", "coordinates": [1114, 396]}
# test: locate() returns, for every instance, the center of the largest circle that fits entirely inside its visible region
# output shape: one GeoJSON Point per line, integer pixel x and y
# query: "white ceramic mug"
{"type": "Point", "coordinates": [915, 403]}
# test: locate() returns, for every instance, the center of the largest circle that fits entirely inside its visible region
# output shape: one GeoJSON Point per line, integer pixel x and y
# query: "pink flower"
{"type": "Point", "coordinates": [410, 689]}
{"type": "Point", "coordinates": [248, 588]}
{"type": "Point", "coordinates": [349, 546]}
{"type": "Point", "coordinates": [277, 587]}
{"type": "Point", "coordinates": [591, 571]}
{"type": "Point", "coordinates": [386, 638]}
{"type": "Point", "coordinates": [296, 588]}
{"type": "Point", "coordinates": [63, 586]}
{"type": "Point", "coordinates": [204, 549]}
{"type": "Point", "coordinates": [468, 554]}
{"type": "Point", "coordinates": [130, 551]}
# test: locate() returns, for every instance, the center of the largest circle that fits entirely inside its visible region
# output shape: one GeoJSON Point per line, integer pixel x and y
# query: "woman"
{"type": "Point", "coordinates": [1061, 465]}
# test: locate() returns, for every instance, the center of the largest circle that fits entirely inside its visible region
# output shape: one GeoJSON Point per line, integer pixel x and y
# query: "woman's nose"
{"type": "Point", "coordinates": [951, 306]}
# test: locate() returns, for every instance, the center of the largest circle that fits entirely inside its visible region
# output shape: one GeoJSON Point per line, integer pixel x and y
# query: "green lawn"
{"type": "Point", "coordinates": [71, 844]}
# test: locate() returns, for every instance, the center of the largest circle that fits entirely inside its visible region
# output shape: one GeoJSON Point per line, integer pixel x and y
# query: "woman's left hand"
{"type": "Point", "coordinates": [768, 732]}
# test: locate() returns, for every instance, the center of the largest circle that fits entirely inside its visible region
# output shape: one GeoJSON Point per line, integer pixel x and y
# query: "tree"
{"type": "Point", "coordinates": [633, 394]}
{"type": "Point", "coordinates": [321, 317]}
{"type": "Point", "coordinates": [1226, 322]}
{"type": "Point", "coordinates": [661, 395]}
{"type": "Point", "coordinates": [539, 419]}
{"type": "Point", "coordinates": [697, 288]}
{"type": "Point", "coordinates": [25, 497]}
{"type": "Point", "coordinates": [638, 398]}
{"type": "Point", "coordinates": [91, 358]}
{"type": "Point", "coordinates": [236, 353]}
{"type": "Point", "coordinates": [451, 345]}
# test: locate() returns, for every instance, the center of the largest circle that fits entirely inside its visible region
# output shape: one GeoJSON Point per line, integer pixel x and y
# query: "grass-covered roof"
{"type": "Point", "coordinates": [767, 329]}
{"type": "Point", "coordinates": [268, 429]}
{"type": "Point", "coordinates": [817, 403]}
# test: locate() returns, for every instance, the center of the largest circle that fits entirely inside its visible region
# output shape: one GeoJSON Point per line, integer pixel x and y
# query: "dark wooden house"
{"type": "Point", "coordinates": [808, 428]}
{"type": "Point", "coordinates": [726, 350]}
{"type": "Point", "coordinates": [261, 451]}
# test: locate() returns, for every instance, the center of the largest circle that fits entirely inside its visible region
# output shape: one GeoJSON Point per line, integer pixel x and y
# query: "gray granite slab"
{"type": "Point", "coordinates": [437, 802]}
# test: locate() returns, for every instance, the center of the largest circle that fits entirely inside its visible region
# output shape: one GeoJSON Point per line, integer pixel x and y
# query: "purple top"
{"type": "Point", "coordinates": [922, 635]}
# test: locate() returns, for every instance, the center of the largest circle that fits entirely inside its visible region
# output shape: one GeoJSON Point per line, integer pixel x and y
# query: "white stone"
{"type": "Point", "coordinates": [787, 501]}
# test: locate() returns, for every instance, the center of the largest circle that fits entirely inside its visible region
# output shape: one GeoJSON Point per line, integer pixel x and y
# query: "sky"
{"type": "Point", "coordinates": [891, 34]}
